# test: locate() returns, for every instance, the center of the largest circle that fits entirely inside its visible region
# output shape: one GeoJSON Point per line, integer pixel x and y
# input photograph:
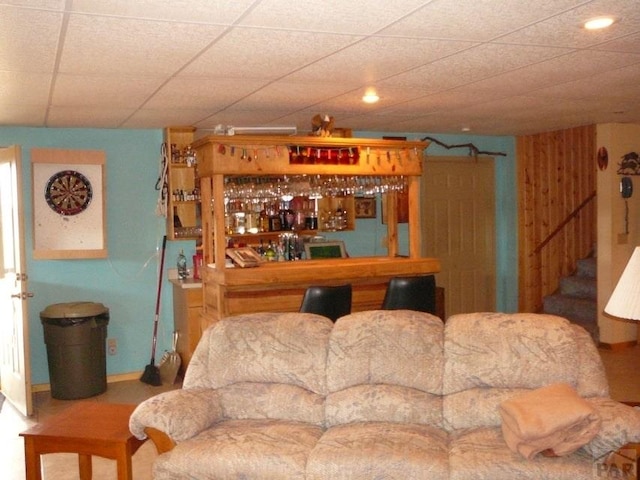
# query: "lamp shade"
{"type": "Point", "coordinates": [625, 299]}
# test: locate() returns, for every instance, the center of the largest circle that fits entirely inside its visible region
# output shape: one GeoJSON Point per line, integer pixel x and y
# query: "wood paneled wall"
{"type": "Point", "coordinates": [557, 185]}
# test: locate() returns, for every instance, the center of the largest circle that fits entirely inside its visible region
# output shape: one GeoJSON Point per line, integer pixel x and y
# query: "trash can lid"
{"type": "Point", "coordinates": [74, 310]}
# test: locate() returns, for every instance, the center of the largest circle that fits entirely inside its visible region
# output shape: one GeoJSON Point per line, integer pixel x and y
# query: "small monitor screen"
{"type": "Point", "coordinates": [319, 250]}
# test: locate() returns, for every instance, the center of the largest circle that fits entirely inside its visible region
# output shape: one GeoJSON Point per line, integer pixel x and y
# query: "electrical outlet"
{"type": "Point", "coordinates": [112, 346]}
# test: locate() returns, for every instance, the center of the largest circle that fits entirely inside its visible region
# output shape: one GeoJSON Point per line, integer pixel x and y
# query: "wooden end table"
{"type": "Point", "coordinates": [86, 428]}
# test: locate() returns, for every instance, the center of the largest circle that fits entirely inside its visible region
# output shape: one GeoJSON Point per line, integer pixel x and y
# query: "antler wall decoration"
{"type": "Point", "coordinates": [473, 150]}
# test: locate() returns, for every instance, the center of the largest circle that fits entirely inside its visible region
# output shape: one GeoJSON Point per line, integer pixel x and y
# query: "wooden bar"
{"type": "Point", "coordinates": [279, 286]}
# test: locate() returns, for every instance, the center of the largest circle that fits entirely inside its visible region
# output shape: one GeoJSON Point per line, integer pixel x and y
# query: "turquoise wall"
{"type": "Point", "coordinates": [126, 282]}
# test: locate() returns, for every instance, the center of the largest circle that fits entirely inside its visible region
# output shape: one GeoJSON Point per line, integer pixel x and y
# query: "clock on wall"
{"type": "Point", "coordinates": [68, 192]}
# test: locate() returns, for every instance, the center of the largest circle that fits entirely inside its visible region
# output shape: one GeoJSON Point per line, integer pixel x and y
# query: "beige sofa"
{"type": "Point", "coordinates": [377, 395]}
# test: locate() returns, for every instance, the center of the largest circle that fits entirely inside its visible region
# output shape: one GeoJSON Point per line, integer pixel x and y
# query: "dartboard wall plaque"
{"type": "Point", "coordinates": [68, 192]}
{"type": "Point", "coordinates": [69, 203]}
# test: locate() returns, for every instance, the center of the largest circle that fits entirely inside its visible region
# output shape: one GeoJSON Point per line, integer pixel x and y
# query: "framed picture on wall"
{"type": "Point", "coordinates": [68, 204]}
{"type": "Point", "coordinates": [365, 207]}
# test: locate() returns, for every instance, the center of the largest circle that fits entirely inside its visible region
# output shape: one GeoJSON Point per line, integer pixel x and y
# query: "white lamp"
{"type": "Point", "coordinates": [625, 299]}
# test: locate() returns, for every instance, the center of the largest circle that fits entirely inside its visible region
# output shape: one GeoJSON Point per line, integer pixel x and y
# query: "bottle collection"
{"type": "Point", "coordinates": [297, 214]}
{"type": "Point", "coordinates": [288, 247]}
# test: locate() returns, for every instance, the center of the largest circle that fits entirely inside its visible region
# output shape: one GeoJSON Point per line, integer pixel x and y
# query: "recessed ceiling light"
{"type": "Point", "coordinates": [370, 97]}
{"type": "Point", "coordinates": [599, 23]}
{"type": "Point", "coordinates": [466, 129]}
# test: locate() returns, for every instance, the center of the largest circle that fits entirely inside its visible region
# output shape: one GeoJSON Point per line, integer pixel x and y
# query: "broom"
{"type": "Point", "coordinates": [151, 374]}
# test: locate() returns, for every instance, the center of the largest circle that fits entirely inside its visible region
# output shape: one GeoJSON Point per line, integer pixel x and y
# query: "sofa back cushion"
{"type": "Point", "coordinates": [489, 357]}
{"type": "Point", "coordinates": [277, 359]}
{"type": "Point", "coordinates": [385, 365]}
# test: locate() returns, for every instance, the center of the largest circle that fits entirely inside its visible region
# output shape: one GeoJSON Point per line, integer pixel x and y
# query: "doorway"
{"type": "Point", "coordinates": [15, 381]}
{"type": "Point", "coordinates": [458, 228]}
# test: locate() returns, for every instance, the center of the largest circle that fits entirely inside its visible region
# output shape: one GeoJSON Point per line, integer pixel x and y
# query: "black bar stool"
{"type": "Point", "coordinates": [411, 293]}
{"type": "Point", "coordinates": [330, 301]}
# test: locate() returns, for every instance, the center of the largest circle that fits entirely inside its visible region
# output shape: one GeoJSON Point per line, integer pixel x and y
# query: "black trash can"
{"type": "Point", "coordinates": [75, 335]}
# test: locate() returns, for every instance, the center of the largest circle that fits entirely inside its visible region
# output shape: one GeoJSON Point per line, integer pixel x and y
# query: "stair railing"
{"type": "Point", "coordinates": [562, 224]}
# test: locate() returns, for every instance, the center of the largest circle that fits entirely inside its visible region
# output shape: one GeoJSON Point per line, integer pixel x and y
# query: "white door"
{"type": "Point", "coordinates": [458, 216]}
{"type": "Point", "coordinates": [15, 378]}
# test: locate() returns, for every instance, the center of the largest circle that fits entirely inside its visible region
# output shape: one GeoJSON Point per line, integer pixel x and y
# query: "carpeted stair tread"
{"type": "Point", "coordinates": [587, 267]}
{"type": "Point", "coordinates": [577, 286]}
{"type": "Point", "coordinates": [576, 298]}
{"type": "Point", "coordinates": [583, 309]}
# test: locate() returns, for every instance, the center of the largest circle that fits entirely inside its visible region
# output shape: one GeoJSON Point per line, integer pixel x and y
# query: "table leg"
{"type": "Point", "coordinates": [86, 469]}
{"type": "Point", "coordinates": [123, 460]}
{"type": "Point", "coordinates": [32, 464]}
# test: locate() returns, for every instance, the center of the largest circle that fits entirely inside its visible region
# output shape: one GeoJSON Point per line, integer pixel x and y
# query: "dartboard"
{"type": "Point", "coordinates": [68, 192]}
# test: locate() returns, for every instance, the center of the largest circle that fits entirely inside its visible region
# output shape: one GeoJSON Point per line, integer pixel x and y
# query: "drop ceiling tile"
{"type": "Point", "coordinates": [622, 82]}
{"type": "Point", "coordinates": [630, 44]}
{"type": "Point", "coordinates": [201, 93]}
{"type": "Point", "coordinates": [22, 88]}
{"type": "Point", "coordinates": [556, 71]}
{"type": "Point", "coordinates": [92, 91]}
{"type": "Point", "coordinates": [27, 115]}
{"type": "Point", "coordinates": [221, 12]}
{"type": "Point", "coordinates": [288, 95]}
{"type": "Point", "coordinates": [28, 39]}
{"type": "Point", "coordinates": [97, 117]}
{"type": "Point", "coordinates": [566, 29]}
{"type": "Point", "coordinates": [474, 64]}
{"type": "Point", "coordinates": [37, 4]}
{"type": "Point", "coordinates": [164, 117]}
{"type": "Point", "coordinates": [103, 45]}
{"type": "Point", "coordinates": [250, 119]}
{"type": "Point", "coordinates": [443, 101]}
{"type": "Point", "coordinates": [250, 53]}
{"type": "Point", "coordinates": [377, 58]}
{"type": "Point", "coordinates": [476, 20]}
{"type": "Point", "coordinates": [354, 16]}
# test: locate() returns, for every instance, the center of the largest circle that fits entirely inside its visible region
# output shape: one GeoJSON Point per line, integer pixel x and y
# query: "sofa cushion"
{"type": "Point", "coordinates": [377, 403]}
{"type": "Point", "coordinates": [592, 379]}
{"type": "Point", "coordinates": [265, 449]}
{"type": "Point", "coordinates": [394, 347]}
{"type": "Point", "coordinates": [476, 407]}
{"type": "Point", "coordinates": [378, 450]}
{"type": "Point", "coordinates": [482, 454]}
{"type": "Point", "coordinates": [271, 400]}
{"type": "Point", "coordinates": [288, 348]}
{"type": "Point", "coordinates": [498, 350]}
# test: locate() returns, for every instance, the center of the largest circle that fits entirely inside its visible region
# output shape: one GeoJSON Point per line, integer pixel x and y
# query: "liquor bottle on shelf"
{"type": "Point", "coordinates": [275, 223]}
{"type": "Point", "coordinates": [270, 252]}
{"type": "Point", "coordinates": [263, 221]}
{"type": "Point", "coordinates": [182, 266]}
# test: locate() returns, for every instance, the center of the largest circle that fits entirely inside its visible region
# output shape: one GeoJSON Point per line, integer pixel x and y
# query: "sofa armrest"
{"type": "Point", "coordinates": [180, 414]}
{"type": "Point", "coordinates": [160, 439]}
{"type": "Point", "coordinates": [620, 426]}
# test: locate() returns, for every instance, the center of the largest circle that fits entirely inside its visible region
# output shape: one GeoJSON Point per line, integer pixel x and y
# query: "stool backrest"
{"type": "Point", "coordinates": [330, 301]}
{"type": "Point", "coordinates": [411, 293]}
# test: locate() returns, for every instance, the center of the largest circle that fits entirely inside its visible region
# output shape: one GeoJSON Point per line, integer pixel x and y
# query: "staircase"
{"type": "Point", "coordinates": [577, 299]}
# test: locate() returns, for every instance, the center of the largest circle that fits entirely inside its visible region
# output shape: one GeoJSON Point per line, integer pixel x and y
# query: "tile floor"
{"type": "Point", "coordinates": [623, 371]}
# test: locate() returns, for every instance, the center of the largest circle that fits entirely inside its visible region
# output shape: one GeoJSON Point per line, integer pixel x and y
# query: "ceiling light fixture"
{"type": "Point", "coordinates": [599, 23]}
{"type": "Point", "coordinates": [370, 97]}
